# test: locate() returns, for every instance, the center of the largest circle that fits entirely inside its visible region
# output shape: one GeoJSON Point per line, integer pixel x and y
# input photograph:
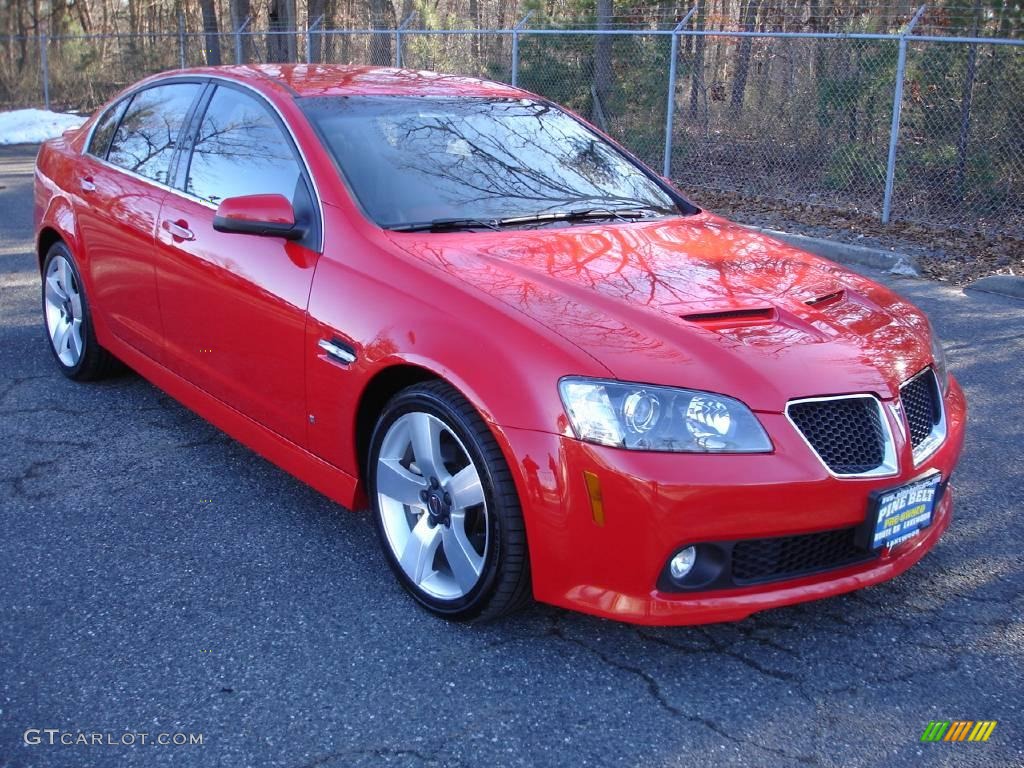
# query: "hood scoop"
{"type": "Point", "coordinates": [827, 299]}
{"type": "Point", "coordinates": [732, 317]}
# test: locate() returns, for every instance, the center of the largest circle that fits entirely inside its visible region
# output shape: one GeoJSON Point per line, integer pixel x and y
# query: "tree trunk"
{"type": "Point", "coordinates": [104, 36]}
{"type": "Point", "coordinates": [84, 17]}
{"type": "Point", "coordinates": [739, 84]}
{"type": "Point", "coordinates": [966, 99]}
{"type": "Point", "coordinates": [603, 58]}
{"type": "Point", "coordinates": [382, 17]}
{"type": "Point", "coordinates": [697, 81]}
{"type": "Point", "coordinates": [58, 17]}
{"type": "Point", "coordinates": [211, 32]}
{"type": "Point", "coordinates": [317, 9]}
{"type": "Point", "coordinates": [474, 14]}
{"type": "Point", "coordinates": [22, 39]}
{"type": "Point", "coordinates": [499, 51]}
{"type": "Point", "coordinates": [281, 44]}
{"type": "Point", "coordinates": [818, 23]}
{"type": "Point", "coordinates": [291, 27]}
{"type": "Point", "coordinates": [239, 13]}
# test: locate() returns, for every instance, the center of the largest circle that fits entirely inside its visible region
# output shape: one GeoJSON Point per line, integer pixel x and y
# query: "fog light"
{"type": "Point", "coordinates": [682, 563]}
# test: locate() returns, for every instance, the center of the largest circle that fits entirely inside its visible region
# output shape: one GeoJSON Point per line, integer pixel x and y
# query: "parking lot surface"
{"type": "Point", "coordinates": [158, 577]}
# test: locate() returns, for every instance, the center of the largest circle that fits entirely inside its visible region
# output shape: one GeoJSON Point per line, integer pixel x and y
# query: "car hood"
{"type": "Point", "coordinates": [696, 302]}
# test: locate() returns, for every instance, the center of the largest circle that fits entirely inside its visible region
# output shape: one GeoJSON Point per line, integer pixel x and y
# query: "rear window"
{"type": "Point", "coordinates": [415, 159]}
{"type": "Point", "coordinates": [99, 143]}
{"type": "Point", "coordinates": [145, 141]}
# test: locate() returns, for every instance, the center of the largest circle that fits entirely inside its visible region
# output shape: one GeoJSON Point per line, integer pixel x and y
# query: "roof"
{"type": "Point", "coordinates": [344, 80]}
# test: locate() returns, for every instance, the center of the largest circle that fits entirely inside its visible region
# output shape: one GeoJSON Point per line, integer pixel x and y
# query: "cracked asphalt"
{"type": "Point", "coordinates": [156, 576]}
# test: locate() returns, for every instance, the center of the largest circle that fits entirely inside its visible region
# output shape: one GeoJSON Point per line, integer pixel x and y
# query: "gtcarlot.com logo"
{"type": "Point", "coordinates": [34, 737]}
{"type": "Point", "coordinates": [959, 730]}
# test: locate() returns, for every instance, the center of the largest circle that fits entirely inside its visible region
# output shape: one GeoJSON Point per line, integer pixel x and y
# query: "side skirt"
{"type": "Point", "coordinates": [332, 482]}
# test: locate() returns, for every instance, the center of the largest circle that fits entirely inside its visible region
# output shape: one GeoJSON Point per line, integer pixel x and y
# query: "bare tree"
{"type": "Point", "coordinates": [240, 12]}
{"type": "Point", "coordinates": [697, 81]}
{"type": "Point", "coordinates": [317, 10]}
{"type": "Point", "coordinates": [602, 60]}
{"type": "Point", "coordinates": [965, 109]}
{"type": "Point", "coordinates": [212, 32]}
{"type": "Point", "coordinates": [382, 16]}
{"type": "Point", "coordinates": [739, 84]}
{"type": "Point", "coordinates": [281, 40]}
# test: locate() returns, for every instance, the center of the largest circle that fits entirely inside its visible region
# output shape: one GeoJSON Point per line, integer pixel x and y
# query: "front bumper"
{"type": "Point", "coordinates": [655, 503]}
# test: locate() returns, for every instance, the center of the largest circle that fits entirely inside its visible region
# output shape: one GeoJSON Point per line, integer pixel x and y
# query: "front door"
{"type": "Point", "coordinates": [233, 306]}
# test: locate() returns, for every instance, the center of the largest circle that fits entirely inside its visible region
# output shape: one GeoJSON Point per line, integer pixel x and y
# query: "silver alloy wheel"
{"type": "Point", "coordinates": [64, 313]}
{"type": "Point", "coordinates": [432, 506]}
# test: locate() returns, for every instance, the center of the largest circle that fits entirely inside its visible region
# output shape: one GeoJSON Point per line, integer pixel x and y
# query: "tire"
{"type": "Point", "coordinates": [68, 322]}
{"type": "Point", "coordinates": [438, 536]}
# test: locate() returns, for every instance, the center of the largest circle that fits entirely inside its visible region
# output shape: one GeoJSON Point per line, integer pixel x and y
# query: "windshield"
{"type": "Point", "coordinates": [419, 159]}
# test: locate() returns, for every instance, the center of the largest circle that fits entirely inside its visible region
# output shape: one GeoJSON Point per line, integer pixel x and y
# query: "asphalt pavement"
{"type": "Point", "coordinates": [157, 577]}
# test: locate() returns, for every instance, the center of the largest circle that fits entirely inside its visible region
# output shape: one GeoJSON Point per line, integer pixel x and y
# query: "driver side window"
{"type": "Point", "coordinates": [241, 150]}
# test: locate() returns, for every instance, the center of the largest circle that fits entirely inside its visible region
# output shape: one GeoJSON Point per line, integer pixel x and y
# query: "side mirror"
{"type": "Point", "coordinates": [263, 215]}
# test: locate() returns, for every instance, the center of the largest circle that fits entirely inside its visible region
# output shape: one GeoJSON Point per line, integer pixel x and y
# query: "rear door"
{"type": "Point", "coordinates": [124, 175]}
{"type": "Point", "coordinates": [233, 306]}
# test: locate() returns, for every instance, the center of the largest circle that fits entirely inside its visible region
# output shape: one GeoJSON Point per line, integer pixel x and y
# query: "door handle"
{"type": "Point", "coordinates": [87, 184]}
{"type": "Point", "coordinates": [338, 350]}
{"type": "Point", "coordinates": [179, 230]}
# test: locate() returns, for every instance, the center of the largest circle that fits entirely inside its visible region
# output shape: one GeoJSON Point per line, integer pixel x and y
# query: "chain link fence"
{"type": "Point", "coordinates": [810, 123]}
{"type": "Point", "coordinates": [961, 137]}
{"type": "Point", "coordinates": [894, 126]}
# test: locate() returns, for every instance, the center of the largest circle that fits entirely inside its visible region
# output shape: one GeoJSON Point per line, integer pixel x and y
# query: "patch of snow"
{"type": "Point", "coordinates": [34, 126]}
{"type": "Point", "coordinates": [904, 267]}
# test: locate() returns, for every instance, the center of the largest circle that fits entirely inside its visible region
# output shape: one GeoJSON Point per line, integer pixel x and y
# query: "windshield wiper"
{"type": "Point", "coordinates": [453, 224]}
{"type": "Point", "coordinates": [622, 214]}
{"type": "Point", "coordinates": [446, 225]}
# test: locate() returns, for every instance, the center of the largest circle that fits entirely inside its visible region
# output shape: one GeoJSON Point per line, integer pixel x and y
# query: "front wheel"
{"type": "Point", "coordinates": [446, 509]}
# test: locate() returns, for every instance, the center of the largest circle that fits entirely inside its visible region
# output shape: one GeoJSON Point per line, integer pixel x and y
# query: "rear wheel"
{"type": "Point", "coordinates": [68, 321]}
{"type": "Point", "coordinates": [446, 509]}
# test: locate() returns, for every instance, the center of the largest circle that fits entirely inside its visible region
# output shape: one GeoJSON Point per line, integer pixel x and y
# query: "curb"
{"type": "Point", "coordinates": [876, 258]}
{"type": "Point", "coordinates": [1002, 285]}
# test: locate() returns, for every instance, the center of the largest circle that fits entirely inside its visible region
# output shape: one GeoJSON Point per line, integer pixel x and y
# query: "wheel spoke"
{"type": "Point", "coordinates": [64, 276]}
{"type": "Point", "coordinates": [398, 483]}
{"type": "Point", "coordinates": [75, 339]}
{"type": "Point", "coordinates": [54, 293]}
{"type": "Point", "coordinates": [60, 337]}
{"type": "Point", "coordinates": [465, 488]}
{"type": "Point", "coordinates": [466, 564]}
{"type": "Point", "coordinates": [76, 305]}
{"type": "Point", "coordinates": [425, 433]}
{"type": "Point", "coordinates": [418, 556]}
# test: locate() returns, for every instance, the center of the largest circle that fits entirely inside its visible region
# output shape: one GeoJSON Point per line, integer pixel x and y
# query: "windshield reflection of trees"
{"type": "Point", "coordinates": [499, 158]}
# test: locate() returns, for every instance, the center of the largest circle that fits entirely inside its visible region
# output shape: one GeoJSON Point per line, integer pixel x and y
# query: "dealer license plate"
{"type": "Point", "coordinates": [902, 512]}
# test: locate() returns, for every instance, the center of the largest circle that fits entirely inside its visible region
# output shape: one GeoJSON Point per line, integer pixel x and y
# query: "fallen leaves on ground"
{"type": "Point", "coordinates": [951, 255]}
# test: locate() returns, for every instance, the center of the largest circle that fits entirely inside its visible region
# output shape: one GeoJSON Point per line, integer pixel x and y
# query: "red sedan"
{"type": "Point", "coordinates": [542, 368]}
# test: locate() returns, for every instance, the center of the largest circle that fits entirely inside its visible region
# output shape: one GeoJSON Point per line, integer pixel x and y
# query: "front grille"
{"type": "Point", "coordinates": [920, 398]}
{"type": "Point", "coordinates": [847, 433]}
{"type": "Point", "coordinates": [756, 560]}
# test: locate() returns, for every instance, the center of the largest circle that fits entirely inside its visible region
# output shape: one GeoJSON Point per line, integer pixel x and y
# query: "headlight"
{"type": "Point", "coordinates": [939, 358]}
{"type": "Point", "coordinates": [647, 418]}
